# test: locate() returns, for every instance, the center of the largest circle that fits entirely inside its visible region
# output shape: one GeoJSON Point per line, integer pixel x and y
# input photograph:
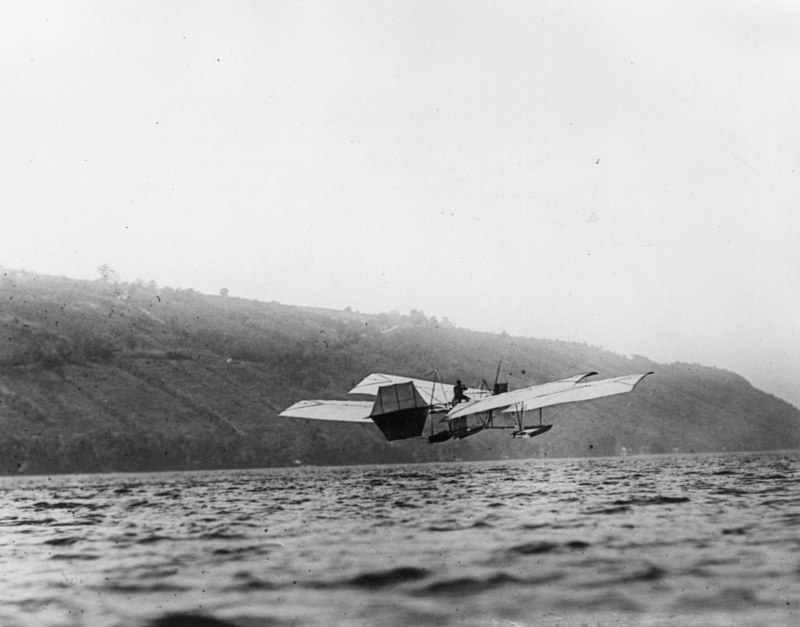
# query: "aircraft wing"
{"type": "Point", "coordinates": [501, 401]}
{"type": "Point", "coordinates": [341, 411]}
{"type": "Point", "coordinates": [583, 392]}
{"type": "Point", "coordinates": [399, 411]}
{"type": "Point", "coordinates": [433, 392]}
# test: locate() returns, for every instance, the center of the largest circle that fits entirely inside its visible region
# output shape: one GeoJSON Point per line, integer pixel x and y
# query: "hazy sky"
{"type": "Point", "coordinates": [618, 173]}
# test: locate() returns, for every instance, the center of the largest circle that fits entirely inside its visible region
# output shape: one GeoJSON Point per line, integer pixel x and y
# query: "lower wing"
{"type": "Point", "coordinates": [398, 411]}
{"type": "Point", "coordinates": [341, 411]}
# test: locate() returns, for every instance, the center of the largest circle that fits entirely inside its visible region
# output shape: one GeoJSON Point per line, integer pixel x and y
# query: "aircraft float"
{"type": "Point", "coordinates": [401, 406]}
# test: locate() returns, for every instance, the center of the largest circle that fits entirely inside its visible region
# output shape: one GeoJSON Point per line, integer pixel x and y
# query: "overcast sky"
{"type": "Point", "coordinates": [618, 173]}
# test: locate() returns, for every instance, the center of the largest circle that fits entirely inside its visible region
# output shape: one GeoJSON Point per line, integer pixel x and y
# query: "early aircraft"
{"type": "Point", "coordinates": [402, 405]}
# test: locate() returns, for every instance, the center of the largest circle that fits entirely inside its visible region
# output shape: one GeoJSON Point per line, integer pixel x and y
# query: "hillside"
{"type": "Point", "coordinates": [104, 376]}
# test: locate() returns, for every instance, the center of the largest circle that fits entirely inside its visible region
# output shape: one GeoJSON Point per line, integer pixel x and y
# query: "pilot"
{"type": "Point", "coordinates": [458, 393]}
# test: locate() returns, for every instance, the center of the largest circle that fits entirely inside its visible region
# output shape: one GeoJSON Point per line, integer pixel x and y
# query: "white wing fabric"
{"type": "Point", "coordinates": [432, 392]}
{"type": "Point", "coordinates": [583, 392]}
{"type": "Point", "coordinates": [516, 397]}
{"type": "Point", "coordinates": [341, 411]}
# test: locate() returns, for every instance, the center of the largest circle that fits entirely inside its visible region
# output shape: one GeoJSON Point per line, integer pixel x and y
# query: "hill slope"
{"type": "Point", "coordinates": [96, 376]}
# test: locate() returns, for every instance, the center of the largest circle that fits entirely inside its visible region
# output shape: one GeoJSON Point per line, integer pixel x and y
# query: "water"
{"type": "Point", "coordinates": [684, 540]}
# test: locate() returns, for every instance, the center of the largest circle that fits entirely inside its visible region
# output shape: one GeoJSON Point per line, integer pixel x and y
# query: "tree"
{"type": "Point", "coordinates": [417, 317]}
{"type": "Point", "coordinates": [108, 274]}
{"type": "Point", "coordinates": [223, 292]}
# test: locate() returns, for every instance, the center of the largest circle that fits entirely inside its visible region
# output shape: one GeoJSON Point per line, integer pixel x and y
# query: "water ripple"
{"type": "Point", "coordinates": [528, 543]}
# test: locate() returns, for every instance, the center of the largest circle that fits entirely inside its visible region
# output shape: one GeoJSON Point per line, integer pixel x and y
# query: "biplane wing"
{"type": "Point", "coordinates": [571, 390]}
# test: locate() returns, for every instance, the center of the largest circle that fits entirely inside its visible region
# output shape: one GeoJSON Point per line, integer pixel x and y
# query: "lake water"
{"type": "Point", "coordinates": [673, 540]}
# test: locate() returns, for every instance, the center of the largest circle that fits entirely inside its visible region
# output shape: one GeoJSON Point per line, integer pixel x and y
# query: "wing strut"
{"type": "Point", "coordinates": [436, 379]}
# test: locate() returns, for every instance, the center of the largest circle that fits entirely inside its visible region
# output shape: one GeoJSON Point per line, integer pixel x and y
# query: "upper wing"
{"type": "Point", "coordinates": [433, 392]}
{"type": "Point", "coordinates": [342, 411]}
{"type": "Point", "coordinates": [583, 392]}
{"type": "Point", "coordinates": [517, 396]}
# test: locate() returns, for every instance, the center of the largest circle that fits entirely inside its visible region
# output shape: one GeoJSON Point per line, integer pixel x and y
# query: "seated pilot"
{"type": "Point", "coordinates": [458, 393]}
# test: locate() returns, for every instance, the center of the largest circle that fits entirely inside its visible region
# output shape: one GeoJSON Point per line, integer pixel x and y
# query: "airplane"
{"type": "Point", "coordinates": [402, 405]}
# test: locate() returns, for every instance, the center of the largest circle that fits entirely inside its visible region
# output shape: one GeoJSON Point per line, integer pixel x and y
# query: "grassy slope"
{"type": "Point", "coordinates": [102, 377]}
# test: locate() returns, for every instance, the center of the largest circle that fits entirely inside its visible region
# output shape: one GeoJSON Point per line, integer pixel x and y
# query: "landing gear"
{"type": "Point", "coordinates": [531, 432]}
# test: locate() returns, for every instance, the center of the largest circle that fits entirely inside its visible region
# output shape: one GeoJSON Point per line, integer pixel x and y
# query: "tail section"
{"type": "Point", "coordinates": [399, 411]}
